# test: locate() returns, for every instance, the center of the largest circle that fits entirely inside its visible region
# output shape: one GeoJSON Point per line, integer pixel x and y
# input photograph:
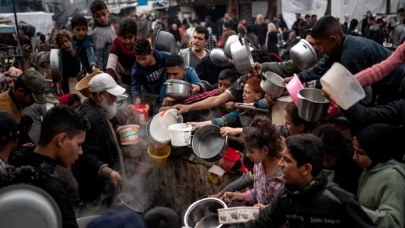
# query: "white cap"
{"type": "Point", "coordinates": [104, 82]}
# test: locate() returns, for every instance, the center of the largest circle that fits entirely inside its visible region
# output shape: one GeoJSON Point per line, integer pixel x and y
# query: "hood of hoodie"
{"type": "Point", "coordinates": [320, 183]}
{"type": "Point", "coordinates": [391, 164]}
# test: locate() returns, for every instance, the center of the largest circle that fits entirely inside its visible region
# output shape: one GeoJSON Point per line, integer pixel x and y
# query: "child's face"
{"type": "Point", "coordinates": [326, 45]}
{"type": "Point", "coordinates": [176, 72]}
{"type": "Point", "coordinates": [101, 16]}
{"type": "Point", "coordinates": [144, 60]}
{"type": "Point", "coordinates": [224, 84]}
{"type": "Point", "coordinates": [257, 155]}
{"type": "Point", "coordinates": [292, 129]}
{"type": "Point", "coordinates": [65, 44]}
{"type": "Point", "coordinates": [250, 96]}
{"type": "Point", "coordinates": [359, 156]}
{"type": "Point", "coordinates": [128, 40]}
{"type": "Point", "coordinates": [292, 174]}
{"type": "Point", "coordinates": [80, 31]}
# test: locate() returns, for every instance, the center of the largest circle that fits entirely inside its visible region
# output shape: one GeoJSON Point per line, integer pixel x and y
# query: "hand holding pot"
{"type": "Point", "coordinates": [195, 88]}
{"type": "Point", "coordinates": [257, 67]}
{"type": "Point", "coordinates": [199, 124]}
{"type": "Point", "coordinates": [286, 80]}
{"type": "Point", "coordinates": [328, 96]}
{"type": "Point", "coordinates": [115, 177]}
{"type": "Point", "coordinates": [228, 197]}
{"type": "Point", "coordinates": [229, 131]}
{"type": "Point", "coordinates": [260, 206]}
{"type": "Point", "coordinates": [218, 195]}
{"type": "Point", "coordinates": [268, 99]}
{"type": "Point", "coordinates": [182, 108]}
{"type": "Point", "coordinates": [168, 101]}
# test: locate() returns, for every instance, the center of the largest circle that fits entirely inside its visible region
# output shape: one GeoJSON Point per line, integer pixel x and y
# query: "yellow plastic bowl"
{"type": "Point", "coordinates": [159, 155]}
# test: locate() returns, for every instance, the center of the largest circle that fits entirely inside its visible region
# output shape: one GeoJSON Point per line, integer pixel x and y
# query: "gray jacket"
{"type": "Point", "coordinates": [185, 54]}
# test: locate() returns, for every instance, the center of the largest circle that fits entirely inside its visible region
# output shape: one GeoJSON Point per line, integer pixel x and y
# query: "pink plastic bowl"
{"type": "Point", "coordinates": [293, 87]}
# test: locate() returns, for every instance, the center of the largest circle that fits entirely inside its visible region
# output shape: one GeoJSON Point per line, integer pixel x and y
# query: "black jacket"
{"type": "Point", "coordinates": [208, 71]}
{"type": "Point", "coordinates": [32, 168]}
{"type": "Point", "coordinates": [99, 148]}
{"type": "Point", "coordinates": [324, 205]}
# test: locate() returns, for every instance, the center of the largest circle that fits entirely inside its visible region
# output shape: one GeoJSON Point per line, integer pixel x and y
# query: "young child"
{"type": "Point", "coordinates": [82, 43]}
{"type": "Point", "coordinates": [148, 70]}
{"type": "Point", "coordinates": [252, 92]}
{"type": "Point", "coordinates": [103, 33]}
{"type": "Point", "coordinates": [264, 145]}
{"type": "Point", "coordinates": [293, 123]}
{"type": "Point", "coordinates": [122, 54]}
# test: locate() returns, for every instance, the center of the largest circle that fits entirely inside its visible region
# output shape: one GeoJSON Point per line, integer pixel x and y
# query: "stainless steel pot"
{"type": "Point", "coordinates": [218, 57]}
{"type": "Point", "coordinates": [303, 55]}
{"type": "Point", "coordinates": [208, 143]}
{"type": "Point", "coordinates": [201, 210]}
{"type": "Point", "coordinates": [227, 47]}
{"type": "Point", "coordinates": [272, 84]}
{"type": "Point", "coordinates": [56, 65]}
{"type": "Point", "coordinates": [242, 57]}
{"type": "Point", "coordinates": [177, 89]}
{"type": "Point", "coordinates": [312, 104]}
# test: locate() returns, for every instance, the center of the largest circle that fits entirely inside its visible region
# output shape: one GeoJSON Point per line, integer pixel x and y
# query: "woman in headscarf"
{"type": "Point", "coordinates": [271, 39]}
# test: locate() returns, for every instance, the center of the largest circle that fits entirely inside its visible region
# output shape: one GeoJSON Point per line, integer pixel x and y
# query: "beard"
{"type": "Point", "coordinates": [109, 108]}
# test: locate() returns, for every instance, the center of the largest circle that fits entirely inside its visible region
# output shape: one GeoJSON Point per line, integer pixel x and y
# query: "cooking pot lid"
{"type": "Point", "coordinates": [28, 206]}
{"type": "Point", "coordinates": [178, 81]}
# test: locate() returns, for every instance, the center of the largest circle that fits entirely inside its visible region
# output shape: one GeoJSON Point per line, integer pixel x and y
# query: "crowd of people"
{"type": "Point", "coordinates": [344, 171]}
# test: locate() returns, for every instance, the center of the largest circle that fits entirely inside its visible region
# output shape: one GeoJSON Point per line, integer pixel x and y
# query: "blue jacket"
{"type": "Point", "coordinates": [85, 51]}
{"type": "Point", "coordinates": [190, 76]}
{"type": "Point", "coordinates": [358, 54]}
{"type": "Point", "coordinates": [149, 78]}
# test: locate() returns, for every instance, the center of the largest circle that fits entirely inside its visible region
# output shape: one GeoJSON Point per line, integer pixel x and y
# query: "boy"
{"type": "Point", "coordinates": [147, 72]}
{"type": "Point", "coordinates": [309, 199]}
{"type": "Point", "coordinates": [176, 69]}
{"type": "Point", "coordinates": [103, 33]}
{"type": "Point", "coordinates": [82, 43]}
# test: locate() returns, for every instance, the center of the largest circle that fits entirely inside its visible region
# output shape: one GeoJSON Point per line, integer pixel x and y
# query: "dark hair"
{"type": "Point", "coordinates": [174, 60]}
{"type": "Point", "coordinates": [403, 21]}
{"type": "Point", "coordinates": [307, 148]}
{"type": "Point", "coordinates": [97, 6]}
{"type": "Point", "coordinates": [72, 99]}
{"type": "Point", "coordinates": [292, 111]}
{"type": "Point", "coordinates": [196, 21]}
{"type": "Point", "coordinates": [308, 32]}
{"type": "Point", "coordinates": [61, 119]}
{"type": "Point", "coordinates": [307, 16]}
{"type": "Point", "coordinates": [333, 140]}
{"type": "Point", "coordinates": [42, 37]}
{"type": "Point", "coordinates": [162, 217]}
{"type": "Point", "coordinates": [325, 27]}
{"type": "Point", "coordinates": [261, 55]}
{"type": "Point", "coordinates": [401, 10]}
{"type": "Point", "coordinates": [247, 162]}
{"type": "Point", "coordinates": [128, 26]}
{"type": "Point", "coordinates": [202, 30]}
{"type": "Point", "coordinates": [262, 133]}
{"type": "Point", "coordinates": [142, 47]}
{"type": "Point", "coordinates": [232, 74]}
{"type": "Point", "coordinates": [249, 28]}
{"type": "Point", "coordinates": [227, 23]}
{"type": "Point", "coordinates": [353, 24]}
{"type": "Point", "coordinates": [19, 84]}
{"type": "Point", "coordinates": [78, 20]}
{"type": "Point", "coordinates": [371, 18]}
{"type": "Point", "coordinates": [379, 20]}
{"type": "Point", "coordinates": [26, 121]}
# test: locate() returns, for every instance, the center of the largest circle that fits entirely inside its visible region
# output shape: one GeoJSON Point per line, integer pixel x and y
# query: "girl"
{"type": "Point", "coordinates": [122, 54]}
{"type": "Point", "coordinates": [293, 123]}
{"type": "Point", "coordinates": [263, 148]}
{"type": "Point", "coordinates": [382, 182]}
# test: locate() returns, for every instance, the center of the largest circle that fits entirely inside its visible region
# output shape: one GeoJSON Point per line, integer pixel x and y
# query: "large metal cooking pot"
{"type": "Point", "coordinates": [218, 57]}
{"type": "Point", "coordinates": [56, 65]}
{"type": "Point", "coordinates": [227, 47]}
{"type": "Point", "coordinates": [163, 41]}
{"type": "Point", "coordinates": [272, 84]}
{"type": "Point", "coordinates": [177, 89]}
{"type": "Point", "coordinates": [208, 143]}
{"type": "Point", "coordinates": [201, 210]}
{"type": "Point", "coordinates": [124, 201]}
{"type": "Point", "coordinates": [303, 55]}
{"type": "Point", "coordinates": [242, 57]}
{"type": "Point", "coordinates": [312, 104]}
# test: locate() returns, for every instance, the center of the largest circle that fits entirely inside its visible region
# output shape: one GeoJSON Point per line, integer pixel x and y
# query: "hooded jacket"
{"type": "Point", "coordinates": [381, 193]}
{"type": "Point", "coordinates": [39, 170]}
{"type": "Point", "coordinates": [324, 204]}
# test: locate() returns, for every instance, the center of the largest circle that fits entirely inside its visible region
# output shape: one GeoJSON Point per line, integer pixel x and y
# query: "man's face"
{"type": "Point", "coordinates": [174, 27]}
{"type": "Point", "coordinates": [24, 99]}
{"type": "Point", "coordinates": [297, 16]}
{"type": "Point", "coordinates": [176, 72]}
{"type": "Point", "coordinates": [65, 44]}
{"type": "Point", "coordinates": [267, 21]}
{"type": "Point", "coordinates": [359, 156]}
{"type": "Point", "coordinates": [311, 41]}
{"type": "Point", "coordinates": [291, 36]}
{"type": "Point", "coordinates": [80, 31]}
{"type": "Point", "coordinates": [259, 19]}
{"type": "Point", "coordinates": [199, 41]}
{"type": "Point", "coordinates": [128, 40]}
{"type": "Point", "coordinates": [69, 150]}
{"type": "Point", "coordinates": [224, 84]}
{"type": "Point", "coordinates": [107, 102]}
{"type": "Point", "coordinates": [227, 15]}
{"type": "Point", "coordinates": [250, 96]}
{"type": "Point", "coordinates": [288, 165]}
{"type": "Point", "coordinates": [101, 16]}
{"type": "Point", "coordinates": [144, 60]}
{"type": "Point", "coordinates": [326, 45]}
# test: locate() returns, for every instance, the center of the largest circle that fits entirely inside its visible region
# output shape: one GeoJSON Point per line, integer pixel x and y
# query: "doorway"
{"type": "Point", "coordinates": [215, 11]}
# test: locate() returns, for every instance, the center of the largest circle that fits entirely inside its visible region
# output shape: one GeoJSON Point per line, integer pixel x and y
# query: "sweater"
{"type": "Point", "coordinates": [381, 193]}
{"type": "Point", "coordinates": [103, 37]}
{"type": "Point", "coordinates": [190, 76]}
{"type": "Point", "coordinates": [149, 78]}
{"type": "Point", "coordinates": [120, 62]}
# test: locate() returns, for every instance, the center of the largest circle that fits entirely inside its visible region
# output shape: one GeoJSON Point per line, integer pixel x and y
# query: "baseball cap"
{"type": "Point", "coordinates": [35, 82]}
{"type": "Point", "coordinates": [104, 82]}
{"type": "Point", "coordinates": [9, 127]}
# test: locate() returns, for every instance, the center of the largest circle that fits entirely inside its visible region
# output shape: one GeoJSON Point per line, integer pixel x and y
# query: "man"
{"type": "Point", "coordinates": [219, 23]}
{"type": "Point", "coordinates": [374, 32]}
{"type": "Point", "coordinates": [309, 199]}
{"type": "Point", "coordinates": [29, 88]}
{"type": "Point", "coordinates": [345, 25]}
{"type": "Point", "coordinates": [291, 42]}
{"type": "Point", "coordinates": [260, 29]}
{"type": "Point", "coordinates": [227, 31]}
{"type": "Point", "coordinates": [100, 161]}
{"type": "Point", "coordinates": [398, 35]}
{"type": "Point", "coordinates": [8, 136]}
{"type": "Point", "coordinates": [297, 24]}
{"type": "Point", "coordinates": [305, 25]}
{"type": "Point", "coordinates": [193, 55]}
{"type": "Point", "coordinates": [62, 135]}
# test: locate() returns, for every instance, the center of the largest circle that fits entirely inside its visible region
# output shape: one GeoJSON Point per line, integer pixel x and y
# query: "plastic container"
{"type": "Point", "coordinates": [180, 134]}
{"type": "Point", "coordinates": [129, 134]}
{"type": "Point", "coordinates": [159, 155]}
{"type": "Point", "coordinates": [169, 117]}
{"type": "Point", "coordinates": [342, 86]}
{"type": "Point", "coordinates": [158, 133]}
{"type": "Point", "coordinates": [141, 113]}
{"type": "Point", "coordinates": [231, 157]}
{"type": "Point", "coordinates": [293, 87]}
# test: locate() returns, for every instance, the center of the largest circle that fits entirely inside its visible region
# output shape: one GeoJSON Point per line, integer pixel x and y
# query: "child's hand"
{"type": "Point", "coordinates": [197, 124]}
{"type": "Point", "coordinates": [94, 69]}
{"type": "Point", "coordinates": [138, 101]}
{"type": "Point", "coordinates": [195, 88]}
{"type": "Point", "coordinates": [229, 131]}
{"type": "Point", "coordinates": [260, 206]}
{"type": "Point", "coordinates": [168, 101]}
{"type": "Point", "coordinates": [228, 197]}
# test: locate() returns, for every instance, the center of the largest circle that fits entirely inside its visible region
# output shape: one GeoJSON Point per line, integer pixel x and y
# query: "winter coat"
{"type": "Point", "coordinates": [381, 193]}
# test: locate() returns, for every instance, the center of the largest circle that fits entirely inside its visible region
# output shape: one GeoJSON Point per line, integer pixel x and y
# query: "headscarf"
{"type": "Point", "coordinates": [270, 28]}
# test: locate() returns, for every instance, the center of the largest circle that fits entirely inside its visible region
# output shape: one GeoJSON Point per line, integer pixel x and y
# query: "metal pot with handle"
{"type": "Point", "coordinates": [303, 55]}
{"type": "Point", "coordinates": [208, 143]}
{"type": "Point", "coordinates": [272, 84]}
{"type": "Point", "coordinates": [242, 57]}
{"type": "Point", "coordinates": [125, 201]}
{"type": "Point", "coordinates": [312, 104]}
{"type": "Point", "coordinates": [177, 89]}
{"type": "Point", "coordinates": [251, 108]}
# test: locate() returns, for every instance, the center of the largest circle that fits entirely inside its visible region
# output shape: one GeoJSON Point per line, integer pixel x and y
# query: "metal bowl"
{"type": "Point", "coordinates": [303, 55]}
{"type": "Point", "coordinates": [272, 84]}
{"type": "Point", "coordinates": [227, 48]}
{"type": "Point", "coordinates": [312, 104]}
{"type": "Point", "coordinates": [242, 58]}
{"type": "Point", "coordinates": [218, 57]}
{"type": "Point", "coordinates": [203, 209]}
{"type": "Point", "coordinates": [177, 89]}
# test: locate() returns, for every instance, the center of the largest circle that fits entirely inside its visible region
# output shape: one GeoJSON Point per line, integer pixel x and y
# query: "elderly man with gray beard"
{"type": "Point", "coordinates": [101, 169]}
